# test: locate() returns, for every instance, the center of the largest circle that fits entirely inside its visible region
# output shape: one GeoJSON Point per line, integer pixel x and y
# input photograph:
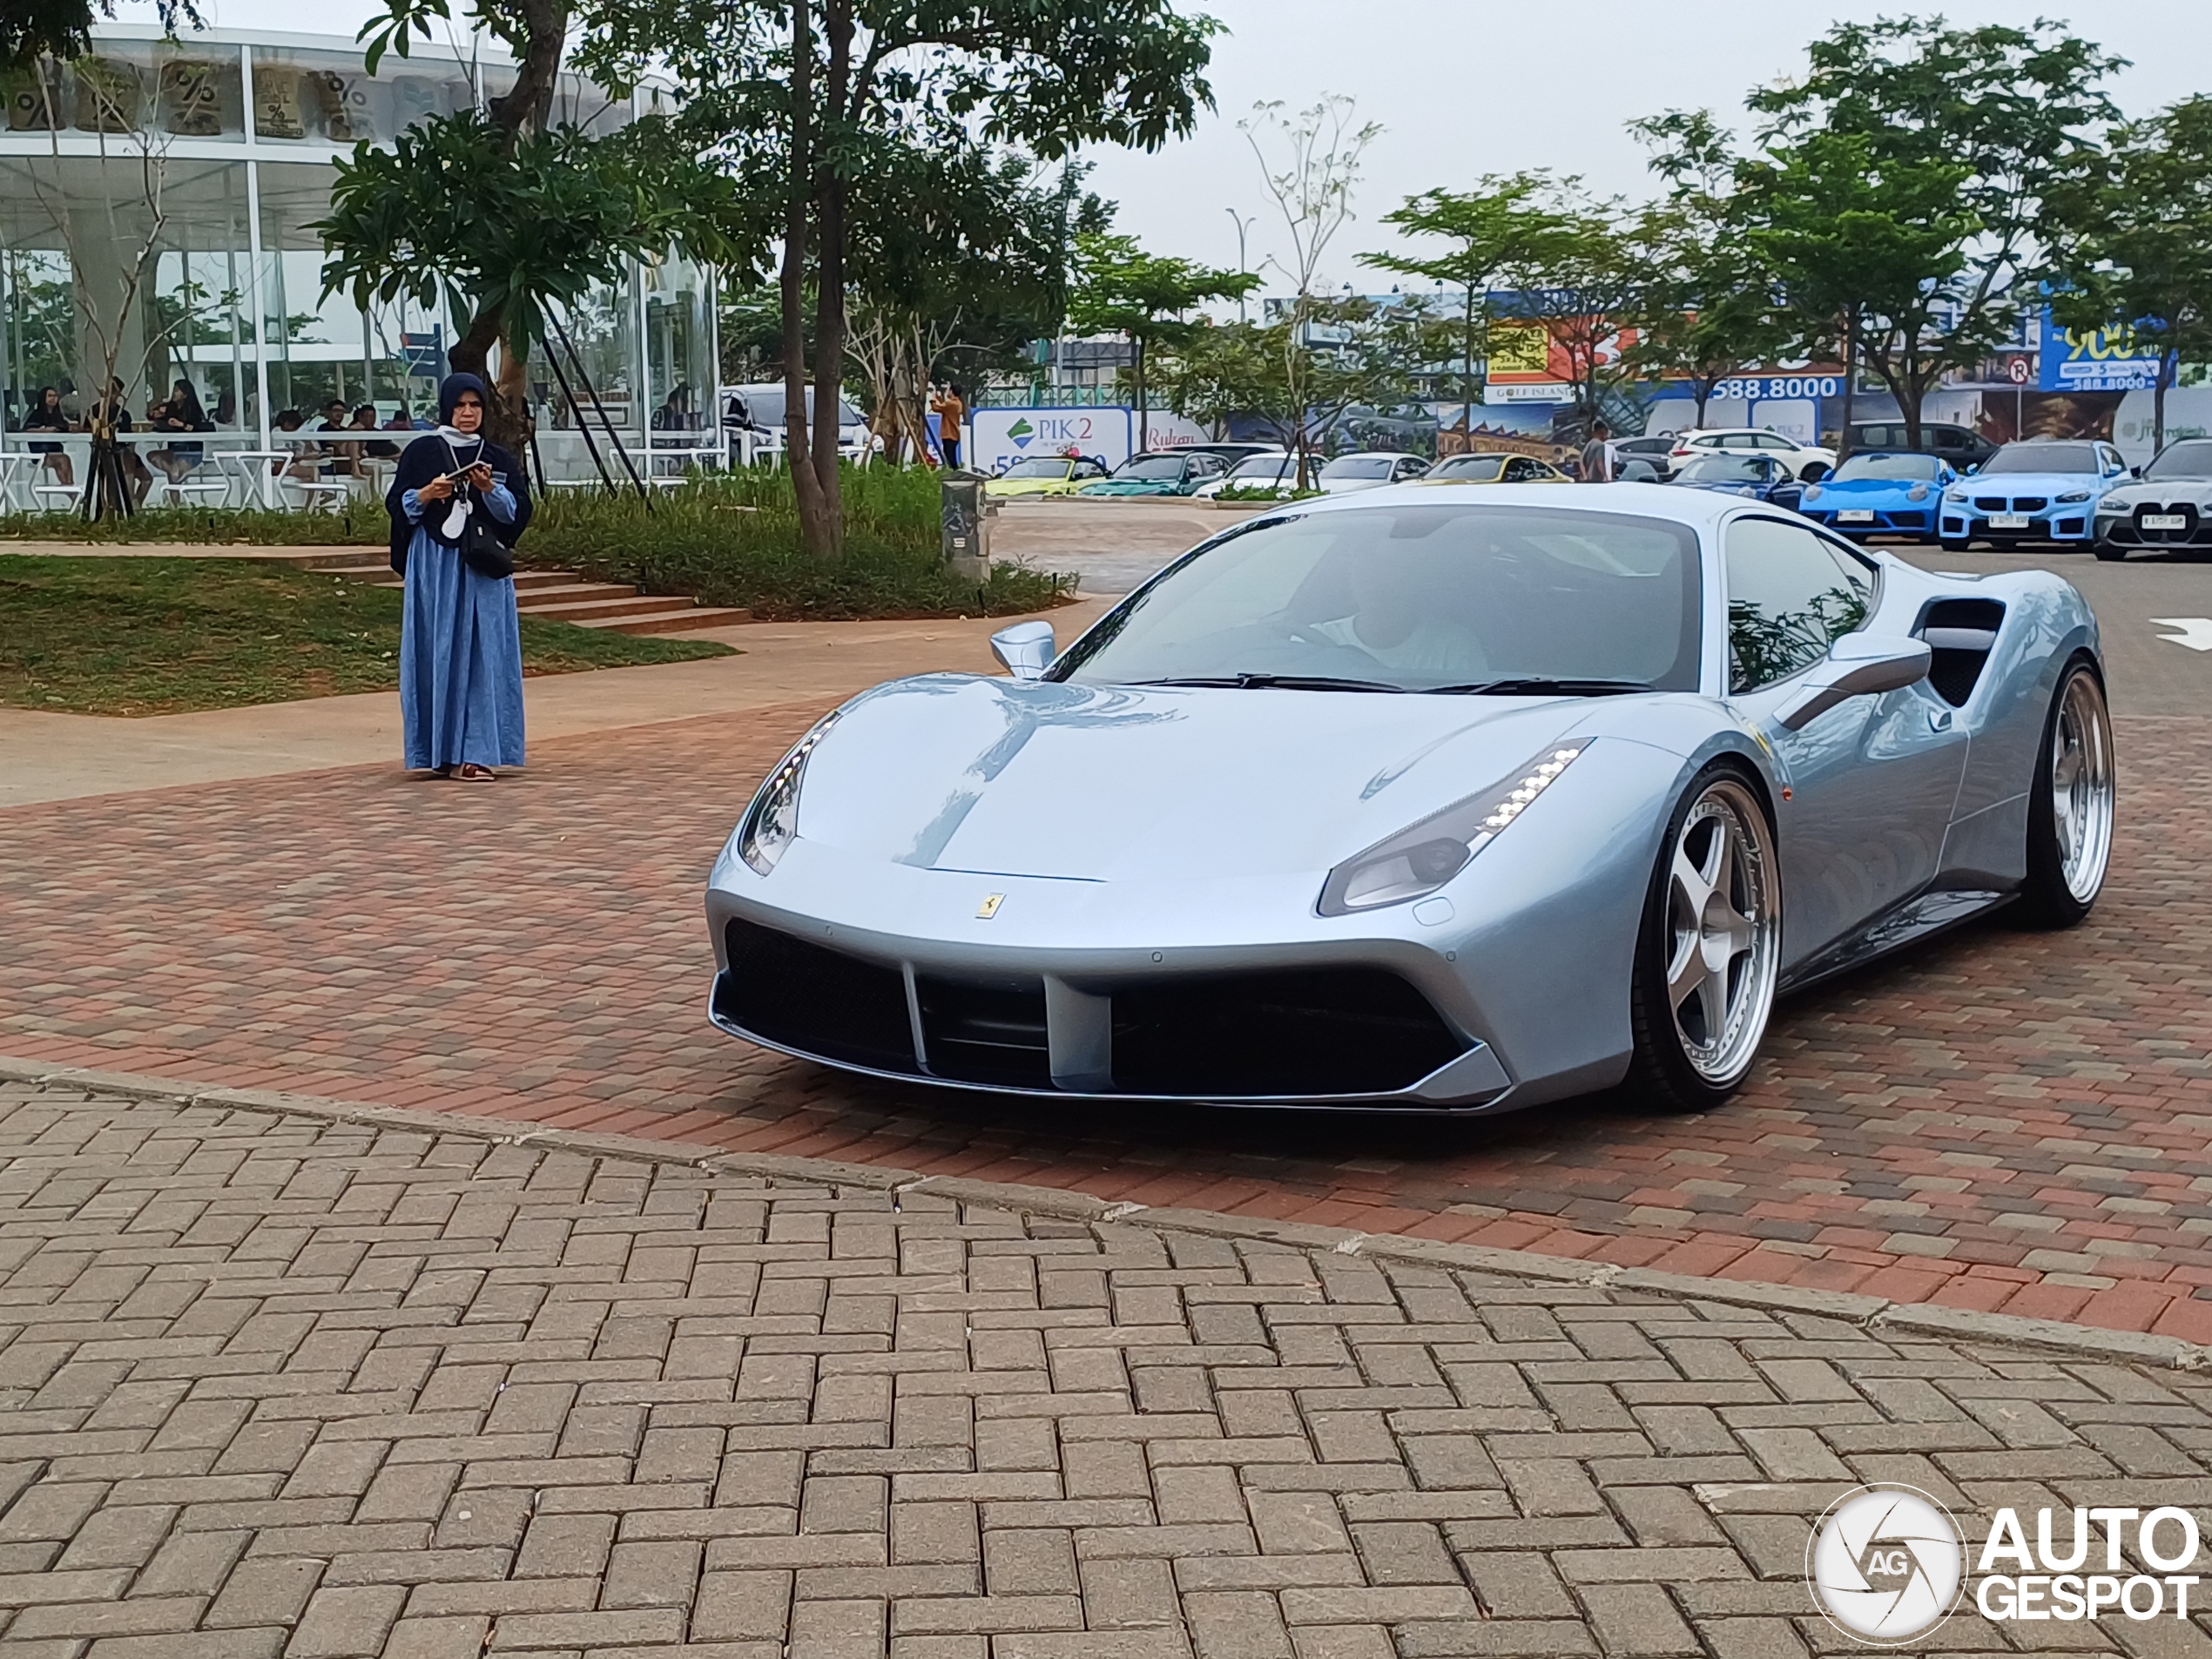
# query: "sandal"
{"type": "Point", "coordinates": [471, 772]}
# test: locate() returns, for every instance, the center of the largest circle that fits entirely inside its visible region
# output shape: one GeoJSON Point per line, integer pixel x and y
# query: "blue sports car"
{"type": "Point", "coordinates": [2044, 490]}
{"type": "Point", "coordinates": [1756, 477]}
{"type": "Point", "coordinates": [1880, 494]}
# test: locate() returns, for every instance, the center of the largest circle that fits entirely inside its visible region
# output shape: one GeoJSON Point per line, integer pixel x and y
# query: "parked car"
{"type": "Point", "coordinates": [1963, 447]}
{"type": "Point", "coordinates": [1045, 475]}
{"type": "Point", "coordinates": [1757, 477]}
{"type": "Point", "coordinates": [1174, 472]}
{"type": "Point", "coordinates": [1658, 452]}
{"type": "Point", "coordinates": [757, 411]}
{"type": "Point", "coordinates": [1884, 494]}
{"type": "Point", "coordinates": [1369, 469]}
{"type": "Point", "coordinates": [1197, 857]}
{"type": "Point", "coordinates": [2170, 507]}
{"type": "Point", "coordinates": [1274, 470]}
{"type": "Point", "coordinates": [2043, 490]}
{"type": "Point", "coordinates": [1494, 469]}
{"type": "Point", "coordinates": [1807, 461]}
{"type": "Point", "coordinates": [1229, 452]}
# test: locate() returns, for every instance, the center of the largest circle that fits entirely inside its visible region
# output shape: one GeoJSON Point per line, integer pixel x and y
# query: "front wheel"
{"type": "Point", "coordinates": [2110, 555]}
{"type": "Point", "coordinates": [2070, 801]}
{"type": "Point", "coordinates": [1709, 948]}
{"type": "Point", "coordinates": [1951, 544]}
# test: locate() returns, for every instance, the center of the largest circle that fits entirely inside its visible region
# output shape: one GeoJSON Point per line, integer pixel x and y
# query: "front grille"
{"type": "Point", "coordinates": [1909, 521]}
{"type": "Point", "coordinates": [1990, 503]}
{"type": "Point", "coordinates": [2030, 503]}
{"type": "Point", "coordinates": [1314, 1031]}
{"type": "Point", "coordinates": [820, 1001]}
{"type": "Point", "coordinates": [2184, 510]}
{"type": "Point", "coordinates": [989, 1032]}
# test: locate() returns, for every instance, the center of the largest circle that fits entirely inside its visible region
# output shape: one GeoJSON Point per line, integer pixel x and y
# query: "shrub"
{"type": "Point", "coordinates": [356, 523]}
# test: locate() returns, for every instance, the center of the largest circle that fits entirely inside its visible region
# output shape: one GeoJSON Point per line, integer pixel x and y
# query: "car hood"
{"type": "Point", "coordinates": [2155, 492]}
{"type": "Point", "coordinates": [1115, 783]}
{"type": "Point", "coordinates": [2051, 485]}
{"type": "Point", "coordinates": [1861, 491]}
{"type": "Point", "coordinates": [1130, 486]}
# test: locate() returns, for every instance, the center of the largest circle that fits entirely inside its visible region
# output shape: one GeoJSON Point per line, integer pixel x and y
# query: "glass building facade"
{"type": "Point", "coordinates": [156, 197]}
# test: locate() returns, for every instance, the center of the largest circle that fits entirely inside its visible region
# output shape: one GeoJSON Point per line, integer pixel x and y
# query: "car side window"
{"type": "Point", "coordinates": [1769, 440]}
{"type": "Point", "coordinates": [1789, 596]}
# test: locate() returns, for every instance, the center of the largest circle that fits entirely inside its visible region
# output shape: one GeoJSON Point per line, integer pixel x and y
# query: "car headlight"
{"type": "Point", "coordinates": [772, 822]}
{"type": "Point", "coordinates": [1918, 492]}
{"type": "Point", "coordinates": [1811, 490]}
{"type": "Point", "coordinates": [1959, 496]}
{"type": "Point", "coordinates": [1420, 859]}
{"type": "Point", "coordinates": [2074, 495]}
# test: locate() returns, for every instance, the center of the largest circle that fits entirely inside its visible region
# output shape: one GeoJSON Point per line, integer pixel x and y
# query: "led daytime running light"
{"type": "Point", "coordinates": [771, 823]}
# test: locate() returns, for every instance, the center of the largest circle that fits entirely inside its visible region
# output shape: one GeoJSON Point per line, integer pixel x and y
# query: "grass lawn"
{"type": "Point", "coordinates": [156, 636]}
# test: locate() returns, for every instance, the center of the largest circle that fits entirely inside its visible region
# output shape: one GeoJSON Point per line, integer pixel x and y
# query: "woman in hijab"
{"type": "Point", "coordinates": [461, 646]}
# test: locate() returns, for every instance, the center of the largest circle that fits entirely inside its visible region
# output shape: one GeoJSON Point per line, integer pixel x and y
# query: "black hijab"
{"type": "Point", "coordinates": [436, 454]}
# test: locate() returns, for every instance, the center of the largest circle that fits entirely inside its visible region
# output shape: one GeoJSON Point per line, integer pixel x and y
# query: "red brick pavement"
{"type": "Point", "coordinates": [2003, 1120]}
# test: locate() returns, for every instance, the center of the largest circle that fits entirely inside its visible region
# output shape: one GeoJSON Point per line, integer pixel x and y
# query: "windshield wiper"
{"type": "Point", "coordinates": [1537, 685]}
{"type": "Point", "coordinates": [1279, 683]}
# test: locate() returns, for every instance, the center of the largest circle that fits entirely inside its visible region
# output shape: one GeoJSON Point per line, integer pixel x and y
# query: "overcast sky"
{"type": "Point", "coordinates": [1465, 87]}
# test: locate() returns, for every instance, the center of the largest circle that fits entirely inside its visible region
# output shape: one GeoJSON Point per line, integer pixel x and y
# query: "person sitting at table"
{"type": "Point", "coordinates": [182, 413]}
{"type": "Point", "coordinates": [375, 449]}
{"type": "Point", "coordinates": [307, 454]}
{"type": "Point", "coordinates": [45, 415]}
{"type": "Point", "coordinates": [109, 410]}
{"type": "Point", "coordinates": [226, 411]}
{"type": "Point", "coordinates": [340, 460]}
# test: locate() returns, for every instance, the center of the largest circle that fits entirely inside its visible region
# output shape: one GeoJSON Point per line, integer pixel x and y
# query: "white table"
{"type": "Point", "coordinates": [16, 471]}
{"type": "Point", "coordinates": [257, 471]}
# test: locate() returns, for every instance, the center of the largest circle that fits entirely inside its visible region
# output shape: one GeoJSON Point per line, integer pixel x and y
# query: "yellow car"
{"type": "Point", "coordinates": [1494, 469]}
{"type": "Point", "coordinates": [1045, 475]}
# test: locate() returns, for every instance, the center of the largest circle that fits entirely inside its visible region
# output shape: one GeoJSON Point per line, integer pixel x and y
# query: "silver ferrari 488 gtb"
{"type": "Point", "coordinates": [1425, 799]}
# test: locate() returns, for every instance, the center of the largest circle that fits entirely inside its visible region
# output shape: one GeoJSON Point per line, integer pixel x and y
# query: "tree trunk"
{"type": "Point", "coordinates": [528, 103]}
{"type": "Point", "coordinates": [2167, 362]}
{"type": "Point", "coordinates": [813, 513]}
{"type": "Point", "coordinates": [829, 292]}
{"type": "Point", "coordinates": [1467, 368]}
{"type": "Point", "coordinates": [1851, 384]}
{"type": "Point", "coordinates": [1704, 396]}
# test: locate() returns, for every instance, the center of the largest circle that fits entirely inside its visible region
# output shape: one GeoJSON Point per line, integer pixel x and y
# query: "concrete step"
{"type": "Point", "coordinates": [576, 592]}
{"type": "Point", "coordinates": [597, 610]}
{"type": "Point", "coordinates": [526, 580]}
{"type": "Point", "coordinates": [676, 619]}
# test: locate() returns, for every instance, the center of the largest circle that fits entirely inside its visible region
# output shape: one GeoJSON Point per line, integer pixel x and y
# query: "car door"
{"type": "Point", "coordinates": [1871, 782]}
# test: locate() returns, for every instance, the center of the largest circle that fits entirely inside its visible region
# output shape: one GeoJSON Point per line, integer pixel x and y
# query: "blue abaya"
{"type": "Point", "coordinates": [460, 652]}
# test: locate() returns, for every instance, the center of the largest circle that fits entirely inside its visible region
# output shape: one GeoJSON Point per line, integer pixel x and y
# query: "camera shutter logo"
{"type": "Point", "coordinates": [1886, 1563]}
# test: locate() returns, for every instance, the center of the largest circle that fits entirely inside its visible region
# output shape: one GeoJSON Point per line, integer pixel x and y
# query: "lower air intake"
{"type": "Point", "coordinates": [1316, 1031]}
{"type": "Point", "coordinates": [819, 1002]}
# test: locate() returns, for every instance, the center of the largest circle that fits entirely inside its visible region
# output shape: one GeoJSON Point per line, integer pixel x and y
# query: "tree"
{"type": "Point", "coordinates": [1120, 289]}
{"type": "Point", "coordinates": [2006, 111]}
{"type": "Point", "coordinates": [1711, 309]}
{"type": "Point", "coordinates": [1584, 282]}
{"type": "Point", "coordinates": [802, 100]}
{"type": "Point", "coordinates": [2139, 260]}
{"type": "Point", "coordinates": [30, 30]}
{"type": "Point", "coordinates": [1491, 229]}
{"type": "Point", "coordinates": [1311, 185]}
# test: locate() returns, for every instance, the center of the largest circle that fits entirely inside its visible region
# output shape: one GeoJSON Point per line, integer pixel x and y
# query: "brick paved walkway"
{"type": "Point", "coordinates": [2004, 1121]}
{"type": "Point", "coordinates": [270, 1385]}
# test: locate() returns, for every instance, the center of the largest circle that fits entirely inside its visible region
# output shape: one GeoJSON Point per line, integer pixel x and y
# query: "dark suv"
{"type": "Point", "coordinates": [1961, 446]}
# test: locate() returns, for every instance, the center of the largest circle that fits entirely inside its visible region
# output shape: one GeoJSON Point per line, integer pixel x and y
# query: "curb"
{"type": "Point", "coordinates": [1877, 1315]}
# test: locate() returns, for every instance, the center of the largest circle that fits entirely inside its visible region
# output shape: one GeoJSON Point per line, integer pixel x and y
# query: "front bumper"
{"type": "Point", "coordinates": [1885, 521]}
{"type": "Point", "coordinates": [2060, 521]}
{"type": "Point", "coordinates": [2126, 527]}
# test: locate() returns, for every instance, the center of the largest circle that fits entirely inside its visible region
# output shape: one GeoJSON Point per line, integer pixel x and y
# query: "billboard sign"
{"type": "Point", "coordinates": [2073, 361]}
{"type": "Point", "coordinates": [998, 438]}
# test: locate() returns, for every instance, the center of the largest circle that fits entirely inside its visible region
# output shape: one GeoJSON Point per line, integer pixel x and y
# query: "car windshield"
{"type": "Point", "coordinates": [1723, 470]}
{"type": "Point", "coordinates": [1645, 446]}
{"type": "Point", "coordinates": [2044, 456]}
{"type": "Point", "coordinates": [1414, 597]}
{"type": "Point", "coordinates": [1922, 469]}
{"type": "Point", "coordinates": [1269, 468]}
{"type": "Point", "coordinates": [1038, 467]}
{"type": "Point", "coordinates": [2191, 458]}
{"type": "Point", "coordinates": [1359, 467]}
{"type": "Point", "coordinates": [1150, 467]}
{"type": "Point", "coordinates": [1471, 469]}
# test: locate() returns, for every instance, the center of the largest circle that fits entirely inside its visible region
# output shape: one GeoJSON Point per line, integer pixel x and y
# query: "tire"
{"type": "Point", "coordinates": [1715, 894]}
{"type": "Point", "coordinates": [2108, 554]}
{"type": "Point", "coordinates": [2070, 846]}
{"type": "Point", "coordinates": [1952, 545]}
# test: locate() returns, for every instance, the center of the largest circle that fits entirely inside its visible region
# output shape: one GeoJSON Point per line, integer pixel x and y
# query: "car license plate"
{"type": "Point", "coordinates": [2009, 520]}
{"type": "Point", "coordinates": [1855, 515]}
{"type": "Point", "coordinates": [2165, 521]}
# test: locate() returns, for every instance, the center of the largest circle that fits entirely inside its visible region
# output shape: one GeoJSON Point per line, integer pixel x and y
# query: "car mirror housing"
{"type": "Point", "coordinates": [1027, 648]}
{"type": "Point", "coordinates": [1857, 666]}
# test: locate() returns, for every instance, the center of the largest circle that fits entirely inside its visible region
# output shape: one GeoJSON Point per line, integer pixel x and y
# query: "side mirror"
{"type": "Point", "coordinates": [1857, 666]}
{"type": "Point", "coordinates": [1028, 649]}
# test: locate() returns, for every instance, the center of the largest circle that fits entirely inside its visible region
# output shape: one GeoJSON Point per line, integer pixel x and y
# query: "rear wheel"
{"type": "Point", "coordinates": [1709, 948]}
{"type": "Point", "coordinates": [2070, 801]}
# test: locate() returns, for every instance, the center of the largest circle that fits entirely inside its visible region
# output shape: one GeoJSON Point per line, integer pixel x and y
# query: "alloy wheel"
{"type": "Point", "coordinates": [1724, 931]}
{"type": "Point", "coordinates": [2083, 786]}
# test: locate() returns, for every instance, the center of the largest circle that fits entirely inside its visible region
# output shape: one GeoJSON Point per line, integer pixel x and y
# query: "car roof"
{"type": "Point", "coordinates": [1699, 508]}
{"type": "Point", "coordinates": [1735, 431]}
